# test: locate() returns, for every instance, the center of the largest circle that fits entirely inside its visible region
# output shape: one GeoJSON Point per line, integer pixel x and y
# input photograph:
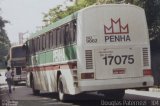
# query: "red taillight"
{"type": "Point", "coordinates": [87, 75]}
{"type": "Point", "coordinates": [147, 72]}
{"type": "Point", "coordinates": [73, 65]}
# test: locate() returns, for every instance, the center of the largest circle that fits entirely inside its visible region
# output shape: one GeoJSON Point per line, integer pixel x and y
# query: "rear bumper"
{"type": "Point", "coordinates": [97, 85]}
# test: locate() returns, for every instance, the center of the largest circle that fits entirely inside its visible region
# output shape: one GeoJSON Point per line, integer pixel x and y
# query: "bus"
{"type": "Point", "coordinates": [102, 48]}
{"type": "Point", "coordinates": [17, 62]}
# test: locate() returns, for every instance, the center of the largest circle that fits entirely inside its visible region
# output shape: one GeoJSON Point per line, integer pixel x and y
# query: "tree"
{"type": "Point", "coordinates": [3, 36]}
{"type": "Point", "coordinates": [152, 8]}
{"type": "Point", "coordinates": [4, 42]}
{"type": "Point", "coordinates": [59, 12]}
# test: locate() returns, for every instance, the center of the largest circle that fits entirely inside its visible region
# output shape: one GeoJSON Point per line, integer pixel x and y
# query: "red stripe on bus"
{"type": "Point", "coordinates": [54, 67]}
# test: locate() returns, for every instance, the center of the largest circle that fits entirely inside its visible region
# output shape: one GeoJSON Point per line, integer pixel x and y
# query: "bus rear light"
{"type": "Point", "coordinates": [87, 75]}
{"type": "Point", "coordinates": [74, 72]}
{"type": "Point", "coordinates": [72, 65]}
{"type": "Point", "coordinates": [75, 78]}
{"type": "Point", "coordinates": [147, 72]}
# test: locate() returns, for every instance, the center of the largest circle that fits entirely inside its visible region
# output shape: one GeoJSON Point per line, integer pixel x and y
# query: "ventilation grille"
{"type": "Point", "coordinates": [89, 60]}
{"type": "Point", "coordinates": [145, 57]}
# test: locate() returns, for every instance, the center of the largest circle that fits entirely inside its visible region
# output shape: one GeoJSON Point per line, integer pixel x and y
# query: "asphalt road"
{"type": "Point", "coordinates": [22, 96]}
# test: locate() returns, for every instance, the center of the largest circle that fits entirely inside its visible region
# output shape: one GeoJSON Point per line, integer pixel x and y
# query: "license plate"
{"type": "Point", "coordinates": [119, 71]}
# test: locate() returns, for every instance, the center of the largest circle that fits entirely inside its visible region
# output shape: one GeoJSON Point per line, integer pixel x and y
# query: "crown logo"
{"type": "Point", "coordinates": [116, 28]}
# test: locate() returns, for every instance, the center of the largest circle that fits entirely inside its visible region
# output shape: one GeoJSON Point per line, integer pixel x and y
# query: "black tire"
{"type": "Point", "coordinates": [114, 94]}
{"type": "Point", "coordinates": [61, 95]}
{"type": "Point", "coordinates": [35, 91]}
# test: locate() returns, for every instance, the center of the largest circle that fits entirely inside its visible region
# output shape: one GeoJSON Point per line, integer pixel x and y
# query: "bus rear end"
{"type": "Point", "coordinates": [113, 48]}
{"type": "Point", "coordinates": [18, 63]}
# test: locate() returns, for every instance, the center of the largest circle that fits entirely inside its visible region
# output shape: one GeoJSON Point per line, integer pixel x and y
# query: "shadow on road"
{"type": "Point", "coordinates": [93, 99]}
{"type": "Point", "coordinates": [20, 84]}
{"type": "Point", "coordinates": [83, 99]}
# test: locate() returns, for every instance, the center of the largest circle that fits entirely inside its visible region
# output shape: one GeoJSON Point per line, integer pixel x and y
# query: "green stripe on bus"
{"type": "Point", "coordinates": [49, 57]}
{"type": "Point", "coordinates": [70, 52]}
{"type": "Point", "coordinates": [42, 58]}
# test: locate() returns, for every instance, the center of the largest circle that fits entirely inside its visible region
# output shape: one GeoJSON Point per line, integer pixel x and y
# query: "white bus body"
{"type": "Point", "coordinates": [112, 52]}
{"type": "Point", "coordinates": [115, 38]}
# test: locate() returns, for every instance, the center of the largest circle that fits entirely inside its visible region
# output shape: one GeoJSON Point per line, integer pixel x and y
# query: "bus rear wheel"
{"type": "Point", "coordinates": [60, 87]}
{"type": "Point", "coordinates": [35, 91]}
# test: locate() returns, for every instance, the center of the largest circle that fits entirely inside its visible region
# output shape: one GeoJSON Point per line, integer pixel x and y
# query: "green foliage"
{"type": "Point", "coordinates": [105, 1]}
{"type": "Point", "coordinates": [152, 8]}
{"type": "Point", "coordinates": [3, 36]}
{"type": "Point", "coordinates": [61, 12]}
{"type": "Point", "coordinates": [4, 42]}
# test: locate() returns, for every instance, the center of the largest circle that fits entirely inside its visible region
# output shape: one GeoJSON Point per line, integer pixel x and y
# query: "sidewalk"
{"type": "Point", "coordinates": [4, 95]}
{"type": "Point", "coordinates": [153, 92]}
{"type": "Point", "coordinates": [24, 93]}
{"type": "Point", "coordinates": [21, 93]}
